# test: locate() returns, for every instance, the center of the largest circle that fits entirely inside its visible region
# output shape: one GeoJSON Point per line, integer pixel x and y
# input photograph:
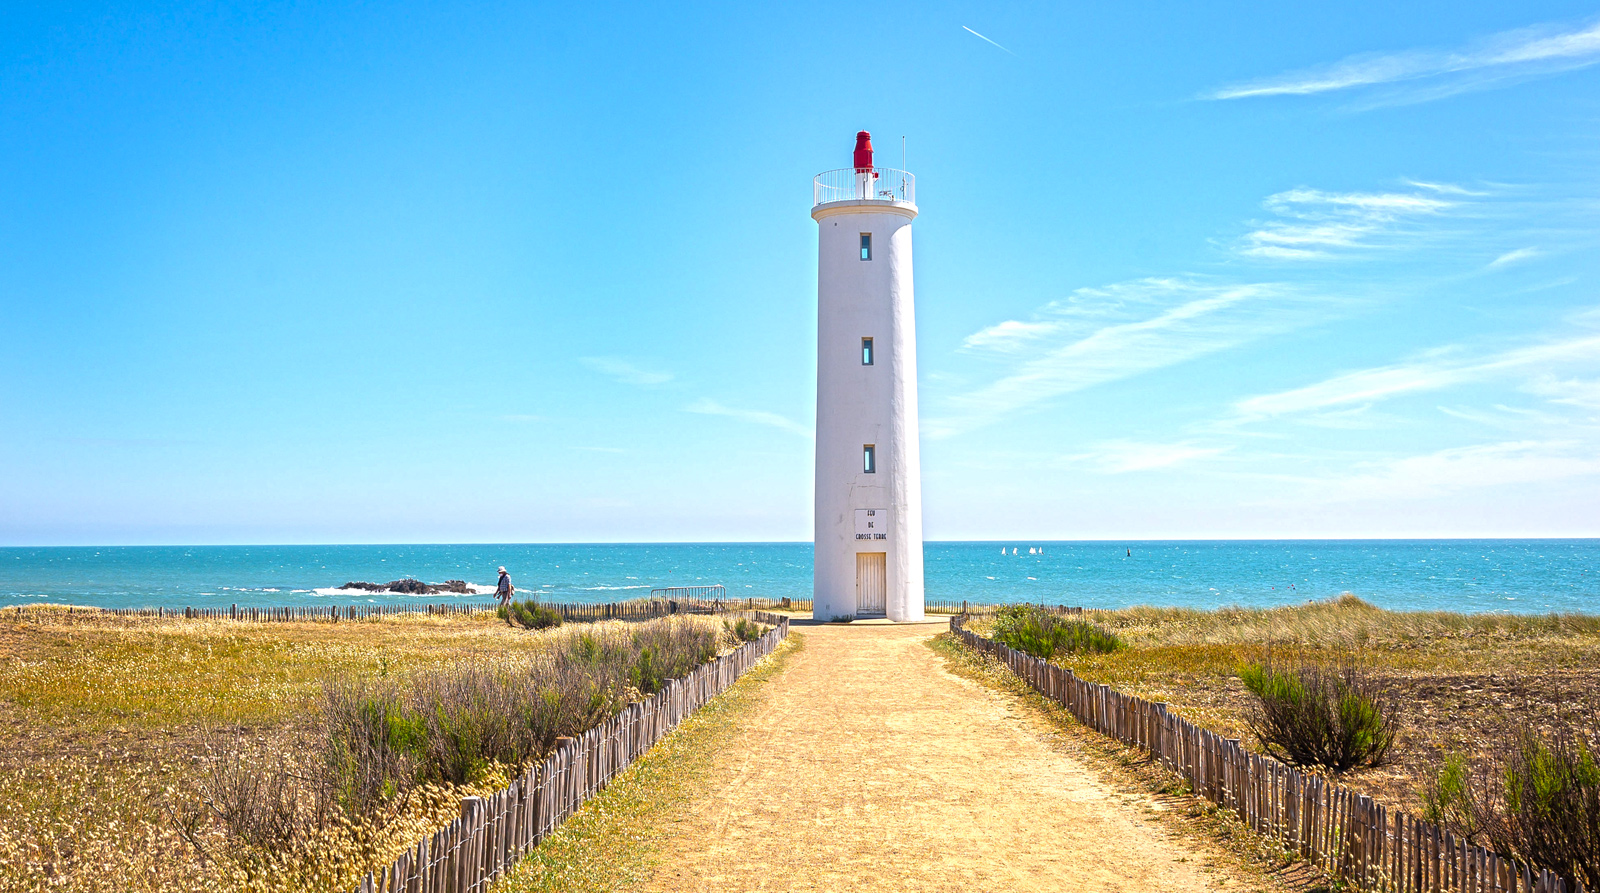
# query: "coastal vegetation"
{"type": "Point", "coordinates": [1041, 633]}
{"type": "Point", "coordinates": [1535, 796]}
{"type": "Point", "coordinates": [1492, 715]}
{"type": "Point", "coordinates": [744, 629]}
{"type": "Point", "coordinates": [178, 755]}
{"type": "Point", "coordinates": [1336, 717]}
{"type": "Point", "coordinates": [453, 724]}
{"type": "Point", "coordinates": [529, 615]}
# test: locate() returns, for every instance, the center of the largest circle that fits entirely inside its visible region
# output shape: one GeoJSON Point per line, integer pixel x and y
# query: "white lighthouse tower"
{"type": "Point", "coordinates": [869, 470]}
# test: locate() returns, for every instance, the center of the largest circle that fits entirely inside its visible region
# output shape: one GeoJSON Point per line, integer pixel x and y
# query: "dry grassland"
{"type": "Point", "coordinates": [1463, 679]}
{"type": "Point", "coordinates": [104, 723]}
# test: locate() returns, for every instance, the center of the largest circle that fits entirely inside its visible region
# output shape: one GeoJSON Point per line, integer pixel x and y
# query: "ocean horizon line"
{"type": "Point", "coordinates": [806, 542]}
{"type": "Point", "coordinates": [1526, 575]}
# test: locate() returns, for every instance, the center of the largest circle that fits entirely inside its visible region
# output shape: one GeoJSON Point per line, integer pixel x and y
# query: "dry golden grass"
{"type": "Point", "coordinates": [1463, 677]}
{"type": "Point", "coordinates": [81, 823]}
{"type": "Point", "coordinates": [91, 673]}
{"type": "Point", "coordinates": [88, 824]}
{"type": "Point", "coordinates": [103, 732]}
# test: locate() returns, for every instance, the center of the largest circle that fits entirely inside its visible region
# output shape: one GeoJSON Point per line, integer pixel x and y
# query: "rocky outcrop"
{"type": "Point", "coordinates": [411, 586]}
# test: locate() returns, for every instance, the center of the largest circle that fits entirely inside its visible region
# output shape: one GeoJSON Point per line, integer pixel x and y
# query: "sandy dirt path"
{"type": "Point", "coordinates": [870, 767]}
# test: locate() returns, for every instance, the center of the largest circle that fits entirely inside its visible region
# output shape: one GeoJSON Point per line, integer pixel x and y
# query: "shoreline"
{"type": "Point", "coordinates": [1514, 576]}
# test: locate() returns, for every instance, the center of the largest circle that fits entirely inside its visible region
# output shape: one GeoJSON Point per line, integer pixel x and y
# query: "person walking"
{"type": "Point", "coordinates": [504, 592]}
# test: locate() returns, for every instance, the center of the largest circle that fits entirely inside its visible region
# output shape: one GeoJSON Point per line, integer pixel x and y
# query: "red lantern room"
{"type": "Point", "coordinates": [863, 151]}
{"type": "Point", "coordinates": [863, 181]}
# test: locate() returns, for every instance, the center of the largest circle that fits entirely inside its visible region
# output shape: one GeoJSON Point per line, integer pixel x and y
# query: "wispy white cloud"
{"type": "Point", "coordinates": [1512, 257]}
{"type": "Point", "coordinates": [1314, 224]}
{"type": "Point", "coordinates": [707, 406]}
{"type": "Point", "coordinates": [1578, 392]}
{"type": "Point", "coordinates": [1101, 335]}
{"type": "Point", "coordinates": [1361, 416]}
{"type": "Point", "coordinates": [1010, 336]}
{"type": "Point", "coordinates": [626, 372]}
{"type": "Point", "coordinates": [1122, 456]}
{"type": "Point", "coordinates": [1456, 469]}
{"type": "Point", "coordinates": [982, 38]}
{"type": "Point", "coordinates": [1500, 58]}
{"type": "Point", "coordinates": [1553, 437]}
{"type": "Point", "coordinates": [1499, 415]}
{"type": "Point", "coordinates": [1445, 188]}
{"type": "Point", "coordinates": [520, 417]}
{"type": "Point", "coordinates": [1431, 371]}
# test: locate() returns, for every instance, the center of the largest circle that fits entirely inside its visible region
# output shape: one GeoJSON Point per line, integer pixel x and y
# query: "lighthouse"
{"type": "Point", "coordinates": [868, 558]}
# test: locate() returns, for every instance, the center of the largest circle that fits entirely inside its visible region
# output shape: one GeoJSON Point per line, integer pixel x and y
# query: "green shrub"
{"type": "Point", "coordinates": [1551, 803]}
{"type": "Point", "coordinates": [1043, 634]}
{"type": "Point", "coordinates": [530, 615]}
{"type": "Point", "coordinates": [453, 724]}
{"type": "Point", "coordinates": [645, 675]}
{"type": "Point", "coordinates": [1447, 797]}
{"type": "Point", "coordinates": [1314, 715]}
{"type": "Point", "coordinates": [674, 650]}
{"type": "Point", "coordinates": [744, 630]}
{"type": "Point", "coordinates": [1536, 798]}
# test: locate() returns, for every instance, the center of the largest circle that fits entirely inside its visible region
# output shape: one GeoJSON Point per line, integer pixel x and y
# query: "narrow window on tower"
{"type": "Point", "coordinates": [866, 246]}
{"type": "Point", "coordinates": [869, 459]}
{"type": "Point", "coordinates": [866, 351]}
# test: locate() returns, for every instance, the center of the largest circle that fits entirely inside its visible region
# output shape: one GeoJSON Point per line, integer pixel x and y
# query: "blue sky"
{"type": "Point", "coordinates": [523, 272]}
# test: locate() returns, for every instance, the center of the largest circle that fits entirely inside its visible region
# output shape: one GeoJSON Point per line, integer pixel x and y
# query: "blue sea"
{"type": "Point", "coordinates": [1522, 576]}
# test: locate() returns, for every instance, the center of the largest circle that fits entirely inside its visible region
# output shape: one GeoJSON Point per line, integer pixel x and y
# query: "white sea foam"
{"type": "Point", "coordinates": [612, 588]}
{"type": "Point", "coordinates": [336, 592]}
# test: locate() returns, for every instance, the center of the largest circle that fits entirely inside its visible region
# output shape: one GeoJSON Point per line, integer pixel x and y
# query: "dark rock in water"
{"type": "Point", "coordinates": [411, 586]}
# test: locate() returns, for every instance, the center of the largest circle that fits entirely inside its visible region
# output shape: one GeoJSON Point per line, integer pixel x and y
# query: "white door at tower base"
{"type": "Point", "coordinates": [872, 582]}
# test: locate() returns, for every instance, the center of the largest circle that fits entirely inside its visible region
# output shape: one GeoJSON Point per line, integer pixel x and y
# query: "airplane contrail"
{"type": "Point", "coordinates": [981, 37]}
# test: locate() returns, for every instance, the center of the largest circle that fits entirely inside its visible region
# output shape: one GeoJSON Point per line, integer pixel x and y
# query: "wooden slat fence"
{"type": "Point", "coordinates": [494, 832]}
{"type": "Point", "coordinates": [1345, 833]}
{"type": "Point", "coordinates": [571, 612]}
{"type": "Point", "coordinates": [716, 592]}
{"type": "Point", "coordinates": [971, 607]}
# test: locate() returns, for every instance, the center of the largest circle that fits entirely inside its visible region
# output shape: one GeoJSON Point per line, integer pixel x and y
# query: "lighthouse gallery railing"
{"type": "Point", "coordinates": [879, 184]}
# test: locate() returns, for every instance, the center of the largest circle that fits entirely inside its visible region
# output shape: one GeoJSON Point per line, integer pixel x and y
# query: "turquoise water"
{"type": "Point", "coordinates": [1524, 576]}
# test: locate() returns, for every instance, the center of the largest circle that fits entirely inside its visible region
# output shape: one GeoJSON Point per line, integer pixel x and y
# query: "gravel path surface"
{"type": "Point", "coordinates": [869, 767]}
